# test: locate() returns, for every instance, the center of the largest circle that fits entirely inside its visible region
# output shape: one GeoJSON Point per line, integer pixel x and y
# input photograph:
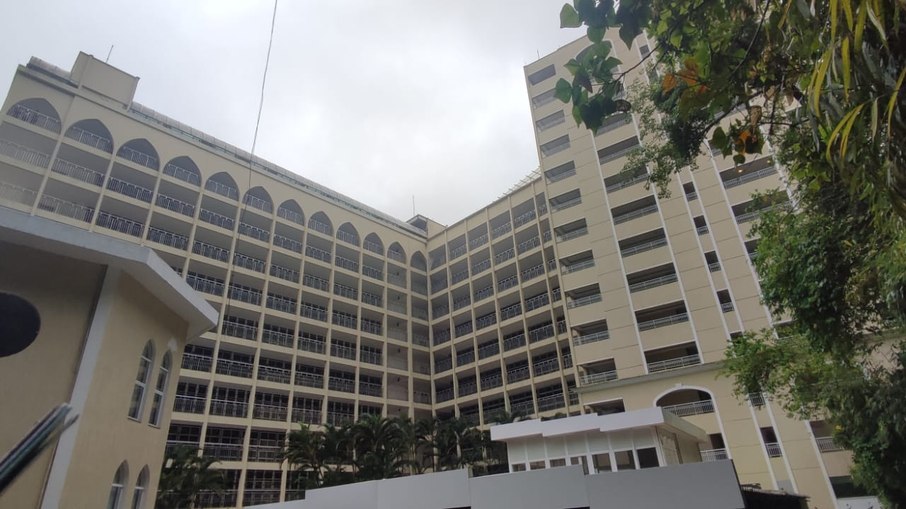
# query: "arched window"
{"type": "Point", "coordinates": [115, 500]}
{"type": "Point", "coordinates": [141, 382]}
{"type": "Point", "coordinates": [160, 390]}
{"type": "Point", "coordinates": [141, 486]}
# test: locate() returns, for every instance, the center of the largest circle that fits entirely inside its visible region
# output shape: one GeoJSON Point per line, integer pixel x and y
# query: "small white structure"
{"type": "Point", "coordinates": [632, 440]}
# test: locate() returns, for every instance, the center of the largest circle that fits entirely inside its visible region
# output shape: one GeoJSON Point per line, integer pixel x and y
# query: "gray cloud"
{"type": "Point", "coordinates": [381, 101]}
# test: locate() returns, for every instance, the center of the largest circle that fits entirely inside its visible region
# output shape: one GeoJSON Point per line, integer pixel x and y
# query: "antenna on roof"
{"type": "Point", "coordinates": [413, 205]}
{"type": "Point", "coordinates": [108, 54]}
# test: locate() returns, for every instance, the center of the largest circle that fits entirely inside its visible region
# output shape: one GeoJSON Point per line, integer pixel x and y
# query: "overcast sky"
{"type": "Point", "coordinates": [379, 100]}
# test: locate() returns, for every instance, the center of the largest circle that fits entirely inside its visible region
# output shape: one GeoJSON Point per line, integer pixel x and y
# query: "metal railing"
{"type": "Point", "coordinates": [349, 238]}
{"type": "Point", "coordinates": [526, 245]}
{"type": "Point", "coordinates": [444, 395]}
{"type": "Point", "coordinates": [246, 295]}
{"type": "Point", "coordinates": [510, 311]}
{"type": "Point", "coordinates": [221, 451]}
{"type": "Point", "coordinates": [501, 230]}
{"type": "Point", "coordinates": [539, 333]}
{"type": "Point", "coordinates": [88, 138]}
{"type": "Point", "coordinates": [537, 301]}
{"type": "Point", "coordinates": [517, 374]}
{"type": "Point", "coordinates": [714, 455]}
{"type": "Point", "coordinates": [320, 227]}
{"type": "Point", "coordinates": [826, 444]}
{"type": "Point", "coordinates": [478, 241]}
{"type": "Point", "coordinates": [468, 388]}
{"type": "Point", "coordinates": [599, 377]}
{"type": "Point", "coordinates": [514, 342]}
{"type": "Point", "coordinates": [274, 374]}
{"type": "Point", "coordinates": [546, 366]}
{"type": "Point", "coordinates": [457, 251]}
{"type": "Point", "coordinates": [748, 177]}
{"type": "Point", "coordinates": [239, 330]}
{"type": "Point", "coordinates": [575, 267]}
{"type": "Point", "coordinates": [420, 339]}
{"type": "Point", "coordinates": [35, 117]}
{"type": "Point", "coordinates": [78, 172]}
{"type": "Point", "coordinates": [346, 263]}
{"type": "Point", "coordinates": [168, 238]}
{"type": "Point", "coordinates": [644, 246]}
{"type": "Point", "coordinates": [306, 415]}
{"type": "Point", "coordinates": [183, 174]}
{"type": "Point", "coordinates": [120, 224]}
{"type": "Point", "coordinates": [591, 337]}
{"type": "Point", "coordinates": [371, 389]}
{"type": "Point", "coordinates": [229, 409]}
{"type": "Point", "coordinates": [551, 402]}
{"type": "Point", "coordinates": [344, 320]}
{"type": "Point", "coordinates": [691, 408]}
{"type": "Point", "coordinates": [291, 215]}
{"type": "Point", "coordinates": [234, 368]}
{"type": "Point", "coordinates": [532, 272]}
{"type": "Point", "coordinates": [209, 251]}
{"type": "Point", "coordinates": [584, 301]}
{"type": "Point", "coordinates": [372, 357]}
{"type": "Point", "coordinates": [676, 363]}
{"type": "Point", "coordinates": [216, 219]}
{"type": "Point", "coordinates": [318, 254]}
{"type": "Point", "coordinates": [524, 218]}
{"type": "Point", "coordinates": [129, 189]}
{"type": "Point", "coordinates": [463, 328]}
{"type": "Point", "coordinates": [442, 337]}
{"type": "Point", "coordinates": [172, 204]}
{"type": "Point", "coordinates": [751, 216]}
{"type": "Point", "coordinates": [523, 407]}
{"type": "Point", "coordinates": [309, 379]}
{"type": "Point", "coordinates": [280, 303]}
{"type": "Point", "coordinates": [222, 189]}
{"type": "Point", "coordinates": [52, 204]}
{"type": "Point", "coordinates": [726, 307]}
{"type": "Point", "coordinates": [462, 275]}
{"type": "Point", "coordinates": [443, 365]}
{"type": "Point", "coordinates": [188, 404]}
{"type": "Point", "coordinates": [628, 216]}
{"type": "Point", "coordinates": [481, 266]}
{"type": "Point", "coordinates": [663, 321]}
{"type": "Point", "coordinates": [627, 182]}
{"type": "Point", "coordinates": [342, 351]}
{"type": "Point", "coordinates": [774, 449]}
{"type": "Point", "coordinates": [258, 203]}
{"type": "Point", "coordinates": [340, 384]}
{"type": "Point", "coordinates": [714, 266]}
{"type": "Point", "coordinates": [284, 273]}
{"type": "Point", "coordinates": [578, 232]}
{"type": "Point", "coordinates": [254, 232]}
{"type": "Point", "coordinates": [491, 381]}
{"type": "Point", "coordinates": [572, 202]}
{"type": "Point", "coordinates": [560, 176]}
{"type": "Point", "coordinates": [197, 362]}
{"type": "Point", "coordinates": [339, 418]}
{"type": "Point", "coordinates": [138, 157]}
{"type": "Point", "coordinates": [465, 358]}
{"type": "Point", "coordinates": [486, 321]}
{"type": "Point", "coordinates": [652, 283]}
{"type": "Point", "coordinates": [269, 413]}
{"type": "Point", "coordinates": [205, 284]}
{"type": "Point", "coordinates": [248, 262]}
{"type": "Point", "coordinates": [505, 255]}
{"type": "Point", "coordinates": [24, 154]}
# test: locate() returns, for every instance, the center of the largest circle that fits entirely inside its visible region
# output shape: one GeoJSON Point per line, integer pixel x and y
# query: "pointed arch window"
{"type": "Point", "coordinates": [141, 382]}
{"type": "Point", "coordinates": [115, 499]}
{"type": "Point", "coordinates": [141, 489]}
{"type": "Point", "coordinates": [160, 390]}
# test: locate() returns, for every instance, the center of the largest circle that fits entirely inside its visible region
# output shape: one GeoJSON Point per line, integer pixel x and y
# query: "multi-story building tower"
{"type": "Point", "coordinates": [580, 290]}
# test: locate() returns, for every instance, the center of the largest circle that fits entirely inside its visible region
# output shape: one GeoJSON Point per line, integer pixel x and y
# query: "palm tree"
{"type": "Point", "coordinates": [184, 475]}
{"type": "Point", "coordinates": [323, 455]}
{"type": "Point", "coordinates": [303, 452]}
{"type": "Point", "coordinates": [381, 449]}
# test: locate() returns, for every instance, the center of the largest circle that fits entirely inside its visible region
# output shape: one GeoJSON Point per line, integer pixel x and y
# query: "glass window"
{"type": "Point", "coordinates": [115, 499]}
{"type": "Point", "coordinates": [580, 460]}
{"type": "Point", "coordinates": [518, 467]}
{"type": "Point", "coordinates": [141, 382]}
{"type": "Point", "coordinates": [536, 465]}
{"type": "Point", "coordinates": [559, 462]}
{"type": "Point", "coordinates": [648, 458]}
{"type": "Point", "coordinates": [602, 462]}
{"type": "Point", "coordinates": [160, 390]}
{"type": "Point", "coordinates": [624, 460]}
{"type": "Point", "coordinates": [138, 497]}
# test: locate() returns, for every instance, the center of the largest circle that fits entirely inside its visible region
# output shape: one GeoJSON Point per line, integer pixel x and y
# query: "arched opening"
{"type": "Point", "coordinates": [36, 111]}
{"type": "Point", "coordinates": [223, 184]}
{"type": "Point", "coordinates": [374, 244]}
{"type": "Point", "coordinates": [685, 402]}
{"type": "Point", "coordinates": [258, 198]}
{"type": "Point", "coordinates": [321, 223]}
{"type": "Point", "coordinates": [141, 489]}
{"type": "Point", "coordinates": [418, 261]}
{"type": "Point", "coordinates": [115, 499]}
{"type": "Point", "coordinates": [91, 132]}
{"type": "Point", "coordinates": [291, 211]}
{"type": "Point", "coordinates": [185, 169]}
{"type": "Point", "coordinates": [396, 252]}
{"type": "Point", "coordinates": [141, 381]}
{"type": "Point", "coordinates": [347, 233]}
{"type": "Point", "coordinates": [140, 151]}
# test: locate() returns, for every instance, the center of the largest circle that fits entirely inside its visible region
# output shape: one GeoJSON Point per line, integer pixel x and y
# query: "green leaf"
{"type": "Point", "coordinates": [719, 139]}
{"type": "Point", "coordinates": [739, 159]}
{"type": "Point", "coordinates": [569, 18]}
{"type": "Point", "coordinates": [595, 34]}
{"type": "Point", "coordinates": [563, 90]}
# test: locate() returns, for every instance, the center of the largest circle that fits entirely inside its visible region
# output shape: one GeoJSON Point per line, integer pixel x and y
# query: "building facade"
{"type": "Point", "coordinates": [579, 290]}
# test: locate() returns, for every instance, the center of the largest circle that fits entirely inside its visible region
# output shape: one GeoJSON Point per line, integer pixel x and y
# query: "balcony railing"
{"type": "Point", "coordinates": [269, 413]}
{"type": "Point", "coordinates": [578, 232]}
{"type": "Point", "coordinates": [679, 362]}
{"type": "Point", "coordinates": [307, 415]}
{"type": "Point", "coordinates": [314, 312]}
{"type": "Point", "coordinates": [222, 189]}
{"type": "Point", "coordinates": [481, 266]}
{"type": "Point", "coordinates": [575, 267]}
{"type": "Point", "coordinates": [340, 384]}
{"type": "Point", "coordinates": [188, 404]}
{"type": "Point", "coordinates": [88, 138]}
{"type": "Point", "coordinates": [372, 357]}
{"type": "Point", "coordinates": [254, 232]}
{"type": "Point", "coordinates": [274, 374]}
{"type": "Point", "coordinates": [120, 224]}
{"type": "Point", "coordinates": [528, 244]}
{"type": "Point", "coordinates": [168, 238]}
{"type": "Point", "coordinates": [591, 337]}
{"type": "Point", "coordinates": [291, 215]}
{"type": "Point", "coordinates": [467, 389]}
{"type": "Point", "coordinates": [546, 366]}
{"type": "Point", "coordinates": [599, 377]}
{"type": "Point", "coordinates": [628, 182]}
{"type": "Point", "coordinates": [504, 255]}
{"type": "Point", "coordinates": [443, 365]}
{"type": "Point", "coordinates": [223, 498]}
{"type": "Point", "coordinates": [584, 301]}
{"type": "Point", "coordinates": [258, 203]}
{"type": "Point", "coordinates": [35, 117]}
{"type": "Point", "coordinates": [229, 409]}
{"type": "Point", "coordinates": [344, 320]}
{"type": "Point", "coordinates": [246, 295]}
{"type": "Point", "coordinates": [339, 418]}
{"type": "Point", "coordinates": [488, 350]}
{"type": "Point", "coordinates": [774, 449]}
{"type": "Point", "coordinates": [372, 272]}
{"type": "Point", "coordinates": [24, 154]}
{"type": "Point", "coordinates": [550, 402]}
{"type": "Point", "coordinates": [507, 283]}
{"type": "Point", "coordinates": [421, 397]}
{"type": "Point", "coordinates": [309, 379]}
{"type": "Point", "coordinates": [748, 177]}
{"type": "Point", "coordinates": [234, 368]}
{"type": "Point", "coordinates": [21, 195]}
{"type": "Point", "coordinates": [182, 174]}
{"type": "Point", "coordinates": [714, 455]}
{"type": "Point", "coordinates": [226, 452]}
{"type": "Point", "coordinates": [566, 204]}
{"type": "Point", "coordinates": [826, 444]}
{"type": "Point", "coordinates": [501, 230]}
{"type": "Point", "coordinates": [209, 251]}
{"type": "Point", "coordinates": [523, 407]}
{"type": "Point", "coordinates": [691, 408]}
{"type": "Point", "coordinates": [524, 218]}
{"type": "Point", "coordinates": [178, 206]}
{"type": "Point", "coordinates": [457, 251]}
{"type": "Point", "coordinates": [485, 321]}
{"type": "Point", "coordinates": [663, 321]}
{"type": "Point", "coordinates": [78, 172]}
{"type": "Point", "coordinates": [491, 381]}
{"type": "Point", "coordinates": [371, 326]}
{"type": "Point", "coordinates": [318, 226]}
{"type": "Point", "coordinates": [652, 283]}
{"type": "Point", "coordinates": [216, 219]}
{"type": "Point", "coordinates": [265, 453]}
{"type": "Point", "coordinates": [280, 303]}
{"type": "Point", "coordinates": [510, 311]}
{"type": "Point", "coordinates": [726, 307]}
{"type": "Point", "coordinates": [138, 157]}
{"type": "Point", "coordinates": [644, 246]}
{"type": "Point", "coordinates": [342, 351]}
{"type": "Point", "coordinates": [239, 330]}
{"type": "Point", "coordinates": [129, 189]}
{"type": "Point", "coordinates": [514, 342]}
{"type": "Point", "coordinates": [539, 333]}
{"type": "Point", "coordinates": [346, 263]}
{"type": "Point", "coordinates": [629, 216]}
{"type": "Point", "coordinates": [371, 389]}
{"type": "Point", "coordinates": [532, 272]}
{"type": "Point", "coordinates": [312, 345]}
{"type": "Point", "coordinates": [517, 374]}
{"type": "Point", "coordinates": [196, 362]}
{"type": "Point", "coordinates": [444, 395]}
{"type": "Point", "coordinates": [248, 262]}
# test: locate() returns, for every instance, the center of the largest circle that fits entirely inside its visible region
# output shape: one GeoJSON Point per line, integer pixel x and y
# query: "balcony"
{"type": "Point", "coordinates": [629, 216]}
{"type": "Point", "coordinates": [210, 251]}
{"type": "Point", "coordinates": [88, 138]}
{"type": "Point", "coordinates": [514, 342]}
{"type": "Point", "coordinates": [128, 189]}
{"type": "Point", "coordinates": [529, 244]}
{"type": "Point", "coordinates": [312, 345]}
{"type": "Point", "coordinates": [457, 251]}
{"type": "Point", "coordinates": [371, 389]}
{"type": "Point", "coordinates": [168, 238]}
{"type": "Point", "coordinates": [467, 389]}
{"type": "Point", "coordinates": [826, 444]}
{"type": "Point", "coordinates": [491, 381]}
{"type": "Point", "coordinates": [463, 329]}
{"type": "Point", "coordinates": [714, 455]}
{"type": "Point", "coordinates": [269, 413]}
{"type": "Point", "coordinates": [507, 283]}
{"type": "Point", "coordinates": [591, 337]}
{"type": "Point", "coordinates": [501, 230]}
{"type": "Point", "coordinates": [478, 241]}
{"type": "Point", "coordinates": [274, 374]}
{"type": "Point", "coordinates": [234, 368]}
{"type": "Point", "coordinates": [258, 203]}
{"type": "Point", "coordinates": [120, 224]}
{"type": "Point", "coordinates": [444, 395]}
{"type": "Point", "coordinates": [239, 330]}
{"type": "Point", "coordinates": [346, 263]}
{"type": "Point", "coordinates": [484, 293]}
{"type": "Point", "coordinates": [342, 351]}
{"type": "Point", "coordinates": [572, 202]}
{"type": "Point", "coordinates": [375, 358]}
{"type": "Point", "coordinates": [284, 273]}
{"type": "Point", "coordinates": [664, 321]}
{"type": "Point", "coordinates": [572, 234]}
{"type": "Point", "coordinates": [669, 364]}
{"type": "Point", "coordinates": [584, 301]}
{"type": "Point", "coordinates": [205, 284]}
{"type": "Point", "coordinates": [441, 337]}
{"type": "Point", "coordinates": [78, 172]}
{"type": "Point", "coordinates": [644, 246]}
{"type": "Point", "coordinates": [222, 189]}
{"type": "Point", "coordinates": [541, 333]}
{"type": "Point", "coordinates": [459, 276]}
{"type": "Point", "coordinates": [522, 407]}
{"type": "Point", "coordinates": [749, 177]}
{"type": "Point", "coordinates": [691, 408]}
{"type": "Point", "coordinates": [486, 321]}
{"type": "Point", "coordinates": [504, 255]}
{"type": "Point", "coordinates": [464, 358]}
{"type": "Point", "coordinates": [485, 351]}
{"type": "Point", "coordinates": [524, 218]}
{"type": "Point", "coordinates": [546, 366]}
{"type": "Point", "coordinates": [307, 415]}
{"type": "Point", "coordinates": [183, 174]}
{"type": "Point", "coordinates": [265, 453]}
{"type": "Point", "coordinates": [345, 291]}
{"type": "Point", "coordinates": [224, 452]}
{"type": "Point", "coordinates": [442, 365]}
{"type": "Point", "coordinates": [599, 377]}
{"type": "Point", "coordinates": [174, 205]}
{"type": "Point", "coordinates": [188, 404]}
{"type": "Point", "coordinates": [344, 320]}
{"type": "Point", "coordinates": [510, 311]}
{"type": "Point", "coordinates": [341, 384]}
{"type": "Point", "coordinates": [248, 262]}
{"type": "Point", "coordinates": [377, 300]}
{"type": "Point", "coordinates": [216, 219]}
{"type": "Point", "coordinates": [279, 303]}
{"type": "Point", "coordinates": [138, 157]}
{"type": "Point", "coordinates": [24, 154]}
{"type": "Point", "coordinates": [481, 266]}
{"type": "Point", "coordinates": [309, 380]}
{"type": "Point", "coordinates": [229, 409]}
{"type": "Point", "coordinates": [421, 397]}
{"type": "Point", "coordinates": [247, 295]}
{"type": "Point", "coordinates": [773, 448]}
{"type": "Point", "coordinates": [575, 267]}
{"type": "Point", "coordinates": [551, 402]}
{"type": "Point", "coordinates": [317, 254]}
{"type": "Point", "coordinates": [373, 272]}
{"type": "Point", "coordinates": [254, 232]}
{"type": "Point", "coordinates": [532, 272]}
{"type": "Point", "coordinates": [517, 374]}
{"type": "Point", "coordinates": [339, 418]}
{"type": "Point", "coordinates": [35, 118]}
{"type": "Point", "coordinates": [652, 283]}
{"type": "Point", "coordinates": [624, 181]}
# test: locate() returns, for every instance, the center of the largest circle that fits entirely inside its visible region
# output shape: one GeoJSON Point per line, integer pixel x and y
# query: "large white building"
{"type": "Point", "coordinates": [579, 291]}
